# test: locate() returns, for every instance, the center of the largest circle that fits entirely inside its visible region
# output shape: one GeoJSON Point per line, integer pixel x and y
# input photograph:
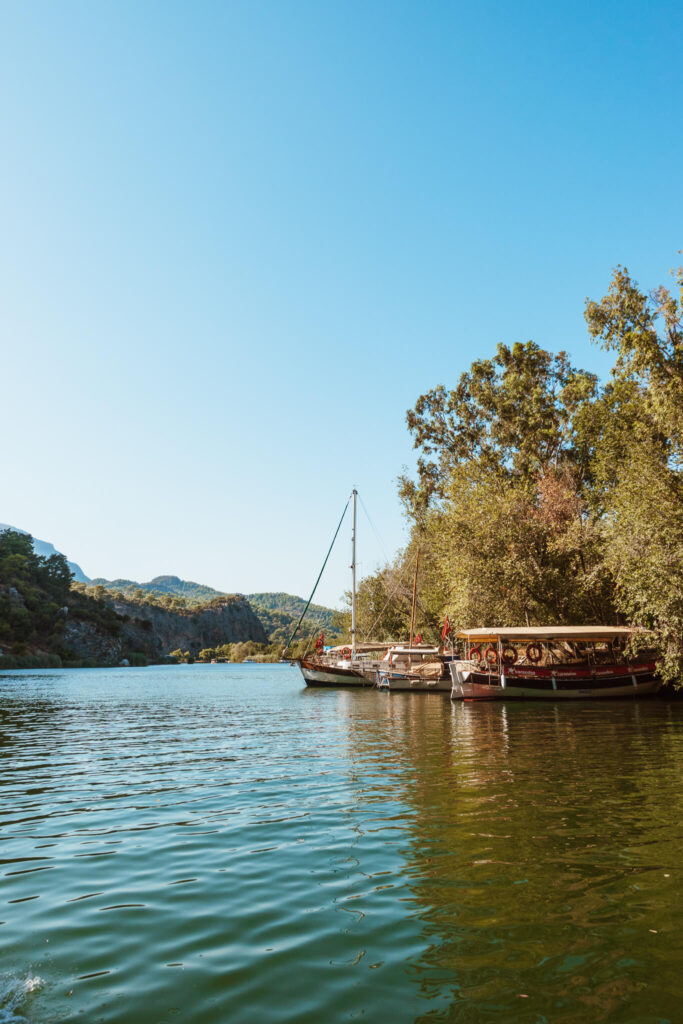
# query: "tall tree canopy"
{"type": "Point", "coordinates": [511, 416]}
{"type": "Point", "coordinates": [542, 497]}
{"type": "Point", "coordinates": [639, 461]}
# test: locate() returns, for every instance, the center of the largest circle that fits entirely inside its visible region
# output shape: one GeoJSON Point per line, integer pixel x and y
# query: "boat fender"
{"type": "Point", "coordinates": [508, 656]}
{"type": "Point", "coordinates": [534, 653]}
{"type": "Point", "coordinates": [346, 652]}
{"type": "Point", "coordinates": [491, 655]}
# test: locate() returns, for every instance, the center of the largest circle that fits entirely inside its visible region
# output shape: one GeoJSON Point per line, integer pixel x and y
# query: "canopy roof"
{"type": "Point", "coordinates": [550, 632]}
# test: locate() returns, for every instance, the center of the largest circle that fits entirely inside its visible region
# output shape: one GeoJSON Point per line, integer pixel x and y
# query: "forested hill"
{"type": "Point", "coordinates": [192, 593]}
{"type": "Point", "coordinates": [292, 605]}
{"type": "Point", "coordinates": [280, 613]}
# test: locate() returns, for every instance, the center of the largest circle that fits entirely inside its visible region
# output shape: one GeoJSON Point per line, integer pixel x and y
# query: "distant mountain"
{"type": "Point", "coordinates": [45, 549]}
{"type": "Point", "coordinates": [194, 593]}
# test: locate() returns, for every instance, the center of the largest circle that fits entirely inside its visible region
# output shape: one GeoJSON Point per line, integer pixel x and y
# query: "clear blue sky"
{"type": "Point", "coordinates": [238, 239]}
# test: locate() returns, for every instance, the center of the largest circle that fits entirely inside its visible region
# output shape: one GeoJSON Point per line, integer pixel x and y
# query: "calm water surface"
{"type": "Point", "coordinates": [219, 844]}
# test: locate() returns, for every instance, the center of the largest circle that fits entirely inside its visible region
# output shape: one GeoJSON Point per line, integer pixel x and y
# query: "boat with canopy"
{"type": "Point", "coordinates": [555, 662]}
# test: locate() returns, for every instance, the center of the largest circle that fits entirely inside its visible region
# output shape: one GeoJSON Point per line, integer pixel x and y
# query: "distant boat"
{"type": "Point", "coordinates": [552, 662]}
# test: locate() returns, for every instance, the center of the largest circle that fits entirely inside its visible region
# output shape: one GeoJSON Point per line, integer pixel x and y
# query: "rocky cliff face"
{"type": "Point", "coordinates": [156, 632]}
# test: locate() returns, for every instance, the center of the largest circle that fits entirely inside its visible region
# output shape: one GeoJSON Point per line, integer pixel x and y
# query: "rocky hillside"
{"type": "Point", "coordinates": [154, 632]}
{"type": "Point", "coordinates": [278, 612]}
{"type": "Point", "coordinates": [110, 619]}
{"type": "Point", "coordinates": [43, 615]}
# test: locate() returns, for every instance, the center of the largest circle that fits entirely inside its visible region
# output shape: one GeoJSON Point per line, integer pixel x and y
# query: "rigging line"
{"type": "Point", "coordinates": [398, 585]}
{"type": "Point", "coordinates": [428, 617]}
{"type": "Point", "coordinates": [368, 633]}
{"type": "Point", "coordinates": [374, 530]}
{"type": "Point", "coordinates": [296, 628]}
{"type": "Point", "coordinates": [386, 605]}
{"type": "Point", "coordinates": [318, 624]}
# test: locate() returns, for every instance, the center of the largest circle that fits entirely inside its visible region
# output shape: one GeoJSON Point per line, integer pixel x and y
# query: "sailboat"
{"type": "Point", "coordinates": [343, 665]}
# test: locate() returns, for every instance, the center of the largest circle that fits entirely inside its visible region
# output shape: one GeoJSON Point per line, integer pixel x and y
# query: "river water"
{"type": "Point", "coordinates": [219, 844]}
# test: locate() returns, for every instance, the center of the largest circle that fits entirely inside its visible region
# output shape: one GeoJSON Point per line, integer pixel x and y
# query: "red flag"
{"type": "Point", "coordinates": [320, 643]}
{"type": "Point", "coordinates": [446, 631]}
{"type": "Point", "coordinates": [418, 639]}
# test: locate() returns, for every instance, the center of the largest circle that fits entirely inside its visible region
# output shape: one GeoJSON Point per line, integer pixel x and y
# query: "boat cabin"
{"type": "Point", "coordinates": [554, 662]}
{"type": "Point", "coordinates": [496, 650]}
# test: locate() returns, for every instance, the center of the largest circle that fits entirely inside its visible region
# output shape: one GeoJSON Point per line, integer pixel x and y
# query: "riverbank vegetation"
{"type": "Point", "coordinates": [249, 651]}
{"type": "Point", "coordinates": [543, 495]}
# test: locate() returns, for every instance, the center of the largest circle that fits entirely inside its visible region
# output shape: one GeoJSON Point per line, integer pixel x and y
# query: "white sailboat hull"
{"type": "Point", "coordinates": [316, 674]}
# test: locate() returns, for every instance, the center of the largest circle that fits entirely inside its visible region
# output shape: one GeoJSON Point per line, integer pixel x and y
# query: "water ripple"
{"type": "Point", "coordinates": [303, 856]}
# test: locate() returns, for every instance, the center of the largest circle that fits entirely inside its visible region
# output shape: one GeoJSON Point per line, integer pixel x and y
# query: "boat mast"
{"type": "Point", "coordinates": [353, 577]}
{"type": "Point", "coordinates": [412, 613]}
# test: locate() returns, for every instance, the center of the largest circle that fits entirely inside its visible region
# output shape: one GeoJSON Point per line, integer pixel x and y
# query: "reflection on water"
{"type": "Point", "coordinates": [545, 858]}
{"type": "Point", "coordinates": [216, 843]}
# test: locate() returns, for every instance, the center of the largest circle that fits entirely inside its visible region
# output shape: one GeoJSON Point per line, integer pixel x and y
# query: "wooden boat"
{"type": "Point", "coordinates": [553, 662]}
{"type": "Point", "coordinates": [414, 667]}
{"type": "Point", "coordinates": [336, 666]}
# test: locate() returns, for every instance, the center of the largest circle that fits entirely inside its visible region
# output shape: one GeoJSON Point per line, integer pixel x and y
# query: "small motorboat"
{"type": "Point", "coordinates": [414, 667]}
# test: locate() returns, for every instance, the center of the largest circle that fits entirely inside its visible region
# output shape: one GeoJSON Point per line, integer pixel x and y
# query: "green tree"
{"type": "Point", "coordinates": [501, 506]}
{"type": "Point", "coordinates": [511, 416]}
{"type": "Point", "coordinates": [638, 464]}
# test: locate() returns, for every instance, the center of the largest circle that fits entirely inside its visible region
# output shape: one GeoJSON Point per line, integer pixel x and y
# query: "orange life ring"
{"type": "Point", "coordinates": [534, 652]}
{"type": "Point", "coordinates": [508, 655]}
{"type": "Point", "coordinates": [475, 654]}
{"type": "Point", "coordinates": [491, 655]}
{"type": "Point", "coordinates": [345, 652]}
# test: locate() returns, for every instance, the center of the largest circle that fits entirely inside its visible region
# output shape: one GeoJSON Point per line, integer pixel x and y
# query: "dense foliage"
{"type": "Point", "coordinates": [36, 599]}
{"type": "Point", "coordinates": [542, 496]}
{"type": "Point", "coordinates": [280, 613]}
{"type": "Point", "coordinates": [33, 594]}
